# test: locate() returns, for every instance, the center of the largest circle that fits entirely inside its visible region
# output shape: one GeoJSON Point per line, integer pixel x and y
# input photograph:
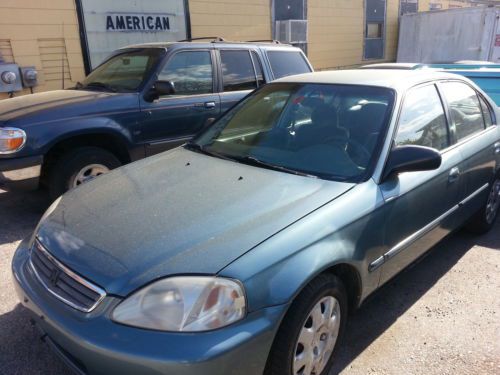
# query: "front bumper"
{"type": "Point", "coordinates": [20, 173]}
{"type": "Point", "coordinates": [93, 344]}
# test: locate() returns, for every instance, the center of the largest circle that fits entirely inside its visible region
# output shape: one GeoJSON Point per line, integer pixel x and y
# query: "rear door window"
{"type": "Point", "coordinates": [237, 70]}
{"type": "Point", "coordinates": [287, 63]}
{"type": "Point", "coordinates": [422, 120]}
{"type": "Point", "coordinates": [466, 112]}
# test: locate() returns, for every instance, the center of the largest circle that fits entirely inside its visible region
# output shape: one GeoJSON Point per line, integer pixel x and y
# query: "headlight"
{"type": "Point", "coordinates": [11, 140]}
{"type": "Point", "coordinates": [184, 304]}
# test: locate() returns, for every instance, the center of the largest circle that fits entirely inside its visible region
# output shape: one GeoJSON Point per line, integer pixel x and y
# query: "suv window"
{"type": "Point", "coordinates": [124, 72]}
{"type": "Point", "coordinates": [190, 72]}
{"type": "Point", "coordinates": [488, 118]}
{"type": "Point", "coordinates": [258, 69]}
{"type": "Point", "coordinates": [237, 70]}
{"type": "Point", "coordinates": [287, 63]}
{"type": "Point", "coordinates": [466, 112]}
{"type": "Point", "coordinates": [422, 120]}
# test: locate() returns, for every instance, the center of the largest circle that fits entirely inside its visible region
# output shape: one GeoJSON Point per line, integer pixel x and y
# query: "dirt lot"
{"type": "Point", "coordinates": [442, 316]}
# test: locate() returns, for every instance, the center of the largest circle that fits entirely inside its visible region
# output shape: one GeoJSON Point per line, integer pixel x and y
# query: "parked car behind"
{"type": "Point", "coordinates": [142, 100]}
{"type": "Point", "coordinates": [244, 251]}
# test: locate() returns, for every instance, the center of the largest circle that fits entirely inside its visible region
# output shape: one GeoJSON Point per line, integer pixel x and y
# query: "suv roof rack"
{"type": "Point", "coordinates": [264, 41]}
{"type": "Point", "coordinates": [214, 39]}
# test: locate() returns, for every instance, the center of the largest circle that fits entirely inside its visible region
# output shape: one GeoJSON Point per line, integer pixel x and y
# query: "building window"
{"type": "Point", "coordinates": [374, 30]}
{"type": "Point", "coordinates": [408, 6]}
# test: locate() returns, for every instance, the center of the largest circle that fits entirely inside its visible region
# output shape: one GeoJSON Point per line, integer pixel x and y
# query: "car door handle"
{"type": "Point", "coordinates": [454, 174]}
{"type": "Point", "coordinates": [497, 148]}
{"type": "Point", "coordinates": [206, 105]}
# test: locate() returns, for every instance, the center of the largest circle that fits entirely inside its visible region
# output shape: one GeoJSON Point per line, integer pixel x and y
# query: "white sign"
{"type": "Point", "coordinates": [112, 24]}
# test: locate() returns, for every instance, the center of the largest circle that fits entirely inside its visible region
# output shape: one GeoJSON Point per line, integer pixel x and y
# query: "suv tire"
{"type": "Point", "coordinates": [74, 163]}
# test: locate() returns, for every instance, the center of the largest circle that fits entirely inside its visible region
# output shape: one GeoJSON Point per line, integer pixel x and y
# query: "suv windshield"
{"type": "Point", "coordinates": [324, 130]}
{"type": "Point", "coordinates": [124, 72]}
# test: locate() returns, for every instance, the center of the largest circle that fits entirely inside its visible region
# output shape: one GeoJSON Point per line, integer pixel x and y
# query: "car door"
{"type": "Point", "coordinates": [473, 131]}
{"type": "Point", "coordinates": [172, 119]}
{"type": "Point", "coordinates": [420, 207]}
{"type": "Point", "coordinates": [241, 72]}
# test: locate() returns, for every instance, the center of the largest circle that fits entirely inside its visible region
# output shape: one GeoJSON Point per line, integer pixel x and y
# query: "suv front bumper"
{"type": "Point", "coordinates": [90, 343]}
{"type": "Point", "coordinates": [20, 173]}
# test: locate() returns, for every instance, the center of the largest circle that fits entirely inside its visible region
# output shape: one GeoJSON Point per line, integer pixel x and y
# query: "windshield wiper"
{"type": "Point", "coordinates": [253, 160]}
{"type": "Point", "coordinates": [100, 85]}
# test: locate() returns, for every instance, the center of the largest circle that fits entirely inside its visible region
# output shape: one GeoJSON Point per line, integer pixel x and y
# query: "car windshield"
{"type": "Point", "coordinates": [323, 130]}
{"type": "Point", "coordinates": [124, 72]}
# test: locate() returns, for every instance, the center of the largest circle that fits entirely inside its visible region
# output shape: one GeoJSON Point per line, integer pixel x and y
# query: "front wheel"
{"type": "Point", "coordinates": [79, 166]}
{"type": "Point", "coordinates": [485, 218]}
{"type": "Point", "coordinates": [310, 332]}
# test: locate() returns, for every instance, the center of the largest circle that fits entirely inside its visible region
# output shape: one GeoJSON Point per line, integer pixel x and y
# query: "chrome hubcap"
{"type": "Point", "coordinates": [88, 173]}
{"type": "Point", "coordinates": [317, 338]}
{"type": "Point", "coordinates": [493, 202]}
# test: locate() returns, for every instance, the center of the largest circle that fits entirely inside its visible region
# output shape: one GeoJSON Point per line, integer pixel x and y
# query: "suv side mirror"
{"type": "Point", "coordinates": [160, 88]}
{"type": "Point", "coordinates": [411, 159]}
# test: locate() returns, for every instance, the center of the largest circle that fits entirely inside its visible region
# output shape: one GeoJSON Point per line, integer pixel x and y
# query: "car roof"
{"type": "Point", "coordinates": [210, 44]}
{"type": "Point", "coordinates": [391, 66]}
{"type": "Point", "coordinates": [396, 78]}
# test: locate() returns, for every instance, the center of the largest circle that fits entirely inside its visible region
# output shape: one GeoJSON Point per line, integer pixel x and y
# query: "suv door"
{"type": "Point", "coordinates": [420, 207]}
{"type": "Point", "coordinates": [241, 72]}
{"type": "Point", "coordinates": [172, 119]}
{"type": "Point", "coordinates": [472, 130]}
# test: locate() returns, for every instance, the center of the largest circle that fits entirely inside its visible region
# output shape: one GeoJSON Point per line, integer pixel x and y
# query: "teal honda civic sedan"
{"type": "Point", "coordinates": [244, 251]}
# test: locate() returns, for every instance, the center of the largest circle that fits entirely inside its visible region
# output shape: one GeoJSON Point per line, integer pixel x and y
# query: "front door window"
{"type": "Point", "coordinates": [190, 72]}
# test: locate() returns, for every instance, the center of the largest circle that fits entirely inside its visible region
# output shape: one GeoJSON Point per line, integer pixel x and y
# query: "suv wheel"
{"type": "Point", "coordinates": [79, 166]}
{"type": "Point", "coordinates": [310, 332]}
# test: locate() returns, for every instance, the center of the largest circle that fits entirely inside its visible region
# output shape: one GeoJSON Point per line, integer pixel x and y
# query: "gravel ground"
{"type": "Point", "coordinates": [442, 316]}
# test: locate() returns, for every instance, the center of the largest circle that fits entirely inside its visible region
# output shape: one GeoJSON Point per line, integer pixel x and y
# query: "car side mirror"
{"type": "Point", "coordinates": [160, 88]}
{"type": "Point", "coordinates": [411, 158]}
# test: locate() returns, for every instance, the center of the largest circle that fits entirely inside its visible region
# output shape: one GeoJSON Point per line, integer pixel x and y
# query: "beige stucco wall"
{"type": "Point", "coordinates": [42, 34]}
{"type": "Point", "coordinates": [336, 30]}
{"type": "Point", "coordinates": [231, 19]}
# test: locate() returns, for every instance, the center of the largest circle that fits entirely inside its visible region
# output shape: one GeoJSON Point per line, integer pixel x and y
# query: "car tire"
{"type": "Point", "coordinates": [484, 219]}
{"type": "Point", "coordinates": [71, 165]}
{"type": "Point", "coordinates": [288, 352]}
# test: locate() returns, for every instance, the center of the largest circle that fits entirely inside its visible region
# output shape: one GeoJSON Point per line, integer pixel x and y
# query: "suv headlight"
{"type": "Point", "coordinates": [11, 140]}
{"type": "Point", "coordinates": [184, 304]}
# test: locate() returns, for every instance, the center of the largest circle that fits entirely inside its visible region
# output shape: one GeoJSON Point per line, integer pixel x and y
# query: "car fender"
{"type": "Point", "coordinates": [40, 139]}
{"type": "Point", "coordinates": [275, 271]}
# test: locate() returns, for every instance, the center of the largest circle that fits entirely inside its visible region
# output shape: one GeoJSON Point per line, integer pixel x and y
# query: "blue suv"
{"type": "Point", "coordinates": [144, 99]}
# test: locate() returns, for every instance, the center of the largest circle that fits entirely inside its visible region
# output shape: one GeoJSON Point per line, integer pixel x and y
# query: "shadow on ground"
{"type": "Point", "coordinates": [398, 295]}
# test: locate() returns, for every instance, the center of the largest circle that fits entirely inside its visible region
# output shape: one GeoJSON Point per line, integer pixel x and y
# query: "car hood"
{"type": "Point", "coordinates": [180, 212]}
{"type": "Point", "coordinates": [58, 105]}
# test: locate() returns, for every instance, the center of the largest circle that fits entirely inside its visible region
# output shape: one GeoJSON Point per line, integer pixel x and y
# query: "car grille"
{"type": "Point", "coordinates": [63, 283]}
